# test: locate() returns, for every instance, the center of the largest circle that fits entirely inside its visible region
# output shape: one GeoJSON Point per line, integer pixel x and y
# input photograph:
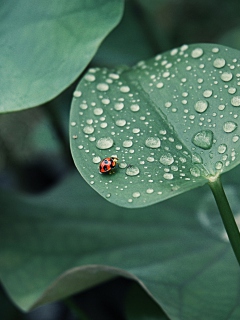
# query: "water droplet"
{"type": "Point", "coordinates": [98, 111]}
{"type": "Point", "coordinates": [235, 138]}
{"type": "Point", "coordinates": [235, 101]}
{"type": "Point", "coordinates": [222, 148]}
{"type": "Point", "coordinates": [203, 139]}
{"type": "Point", "coordinates": [132, 170]}
{"type": "Point", "coordinates": [229, 126]}
{"type": "Point", "coordinates": [88, 129]}
{"type": "Point", "coordinates": [195, 172]}
{"type": "Point", "coordinates": [90, 77]}
{"type": "Point", "coordinates": [197, 53]}
{"type": "Point", "coordinates": [118, 106]}
{"type": "Point", "coordinates": [121, 122]}
{"type": "Point", "coordinates": [103, 87]}
{"type": "Point", "coordinates": [134, 107]}
{"type": "Point", "coordinates": [96, 159]}
{"type": "Point", "coordinates": [232, 90]}
{"type": "Point", "coordinates": [136, 194]}
{"type": "Point", "coordinates": [150, 159]}
{"type": "Point", "coordinates": [201, 106]}
{"type": "Point", "coordinates": [153, 142]}
{"type": "Point", "coordinates": [159, 85]}
{"type": "Point", "coordinates": [196, 158]}
{"type": "Point", "coordinates": [168, 176]}
{"type": "Point", "coordinates": [73, 123]}
{"type": "Point", "coordinates": [226, 76]}
{"type": "Point", "coordinates": [221, 107]}
{"type": "Point", "coordinates": [124, 89]}
{"type": "Point", "coordinates": [219, 63]}
{"type": "Point", "coordinates": [207, 93]}
{"type": "Point", "coordinates": [218, 165]}
{"type": "Point", "coordinates": [149, 191]}
{"type": "Point", "coordinates": [104, 143]}
{"type": "Point", "coordinates": [77, 93]}
{"type": "Point", "coordinates": [127, 143]}
{"type": "Point", "coordinates": [167, 159]}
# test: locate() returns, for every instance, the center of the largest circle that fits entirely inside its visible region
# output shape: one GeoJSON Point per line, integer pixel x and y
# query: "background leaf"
{"type": "Point", "coordinates": [172, 121]}
{"type": "Point", "coordinates": [45, 46]}
{"type": "Point", "coordinates": [190, 270]}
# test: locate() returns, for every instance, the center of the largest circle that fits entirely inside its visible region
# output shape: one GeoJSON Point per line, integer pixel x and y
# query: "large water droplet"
{"type": "Point", "coordinates": [121, 122]}
{"type": "Point", "coordinates": [134, 107]}
{"type": "Point", "coordinates": [167, 159]}
{"type": "Point", "coordinates": [201, 106]}
{"type": "Point", "coordinates": [127, 143]}
{"type": "Point", "coordinates": [88, 129]}
{"type": "Point", "coordinates": [90, 77]}
{"type": "Point", "coordinates": [168, 176]}
{"type": "Point", "coordinates": [196, 158]}
{"type": "Point", "coordinates": [203, 139]}
{"type": "Point", "coordinates": [118, 106]}
{"type": "Point", "coordinates": [229, 126]}
{"type": "Point", "coordinates": [207, 93]}
{"type": "Point", "coordinates": [197, 53]}
{"type": "Point", "coordinates": [104, 143]}
{"type": "Point", "coordinates": [153, 142]}
{"type": "Point", "coordinates": [132, 170]}
{"type": "Point", "coordinates": [226, 76]}
{"type": "Point", "coordinates": [219, 63]}
{"type": "Point", "coordinates": [235, 101]}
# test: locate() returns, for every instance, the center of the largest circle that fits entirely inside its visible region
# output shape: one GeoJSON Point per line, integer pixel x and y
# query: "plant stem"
{"type": "Point", "coordinates": [227, 216]}
{"type": "Point", "coordinates": [74, 308]}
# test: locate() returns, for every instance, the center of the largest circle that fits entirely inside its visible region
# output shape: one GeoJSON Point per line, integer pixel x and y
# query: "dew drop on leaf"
{"type": "Point", "coordinates": [104, 143]}
{"type": "Point", "coordinates": [230, 126]}
{"type": "Point", "coordinates": [203, 139]}
{"type": "Point", "coordinates": [235, 101]}
{"type": "Point", "coordinates": [226, 76]}
{"type": "Point", "coordinates": [201, 106]}
{"type": "Point", "coordinates": [132, 170]}
{"type": "Point", "coordinates": [222, 148]}
{"type": "Point", "coordinates": [219, 63]}
{"type": "Point", "coordinates": [166, 159]}
{"type": "Point", "coordinates": [153, 142]}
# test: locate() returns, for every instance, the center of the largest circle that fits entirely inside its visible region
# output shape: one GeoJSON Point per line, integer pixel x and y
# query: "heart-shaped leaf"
{"type": "Point", "coordinates": [46, 45]}
{"type": "Point", "coordinates": [172, 121]}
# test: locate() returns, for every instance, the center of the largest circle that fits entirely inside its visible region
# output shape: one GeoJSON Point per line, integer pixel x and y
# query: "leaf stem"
{"type": "Point", "coordinates": [226, 215]}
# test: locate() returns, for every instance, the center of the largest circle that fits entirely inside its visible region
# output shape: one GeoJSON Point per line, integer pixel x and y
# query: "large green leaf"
{"type": "Point", "coordinates": [46, 45]}
{"type": "Point", "coordinates": [172, 121]}
{"type": "Point", "coordinates": [189, 270]}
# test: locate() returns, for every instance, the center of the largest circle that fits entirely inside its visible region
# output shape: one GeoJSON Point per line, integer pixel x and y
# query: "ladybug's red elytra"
{"type": "Point", "coordinates": [107, 164]}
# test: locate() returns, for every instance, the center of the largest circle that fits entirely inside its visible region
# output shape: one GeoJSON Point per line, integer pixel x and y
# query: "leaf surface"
{"type": "Point", "coordinates": [173, 122]}
{"type": "Point", "coordinates": [46, 45]}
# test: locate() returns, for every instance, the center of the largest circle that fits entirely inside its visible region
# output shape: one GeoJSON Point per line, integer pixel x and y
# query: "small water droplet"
{"type": "Point", "coordinates": [218, 165]}
{"type": "Point", "coordinates": [203, 139]}
{"type": "Point", "coordinates": [104, 143]}
{"type": "Point", "coordinates": [136, 194]}
{"type": "Point", "coordinates": [98, 111]}
{"type": "Point", "coordinates": [149, 191]}
{"type": "Point", "coordinates": [195, 172]}
{"type": "Point", "coordinates": [73, 123]}
{"type": "Point", "coordinates": [168, 176]}
{"type": "Point", "coordinates": [132, 170]}
{"type": "Point", "coordinates": [150, 159]}
{"type": "Point", "coordinates": [103, 87]}
{"type": "Point", "coordinates": [90, 77]}
{"type": "Point", "coordinates": [226, 76]}
{"type": "Point", "coordinates": [196, 158]}
{"type": "Point", "coordinates": [108, 195]}
{"type": "Point", "coordinates": [121, 122]}
{"type": "Point", "coordinates": [235, 138]}
{"type": "Point", "coordinates": [222, 148]}
{"type": "Point", "coordinates": [118, 106]}
{"type": "Point", "coordinates": [219, 63]}
{"type": "Point", "coordinates": [197, 53]}
{"type": "Point", "coordinates": [159, 85]}
{"type": "Point", "coordinates": [127, 143]}
{"type": "Point", "coordinates": [167, 159]}
{"type": "Point", "coordinates": [124, 89]}
{"type": "Point", "coordinates": [229, 126]}
{"type": "Point", "coordinates": [134, 107]}
{"type": "Point", "coordinates": [201, 106]}
{"type": "Point", "coordinates": [235, 101]}
{"type": "Point", "coordinates": [153, 142]}
{"type": "Point", "coordinates": [77, 93]}
{"type": "Point", "coordinates": [96, 159]}
{"type": "Point", "coordinates": [88, 129]}
{"type": "Point", "coordinates": [207, 93]}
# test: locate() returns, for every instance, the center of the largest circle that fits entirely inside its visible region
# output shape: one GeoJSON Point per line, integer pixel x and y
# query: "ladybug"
{"type": "Point", "coordinates": [107, 164]}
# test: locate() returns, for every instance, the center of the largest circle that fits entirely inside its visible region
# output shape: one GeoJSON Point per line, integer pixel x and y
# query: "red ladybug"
{"type": "Point", "coordinates": [107, 164]}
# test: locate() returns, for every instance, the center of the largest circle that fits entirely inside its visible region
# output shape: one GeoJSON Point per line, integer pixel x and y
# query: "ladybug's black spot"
{"type": "Point", "coordinates": [105, 168]}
